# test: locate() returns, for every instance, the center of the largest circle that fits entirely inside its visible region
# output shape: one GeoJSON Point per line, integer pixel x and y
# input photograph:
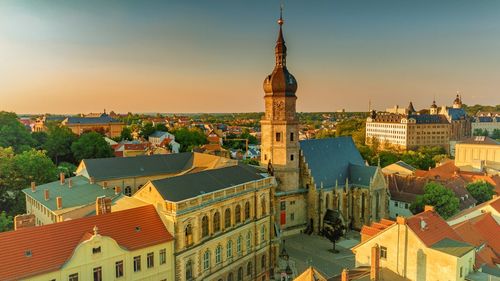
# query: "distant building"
{"type": "Point", "coordinates": [486, 121]}
{"type": "Point", "coordinates": [165, 140]}
{"type": "Point", "coordinates": [222, 222]}
{"type": "Point", "coordinates": [127, 245]}
{"type": "Point", "coordinates": [109, 126]}
{"type": "Point", "coordinates": [400, 168]}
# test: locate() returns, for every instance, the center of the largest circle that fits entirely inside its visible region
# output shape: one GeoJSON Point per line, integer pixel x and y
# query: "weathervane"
{"type": "Point", "coordinates": [280, 21]}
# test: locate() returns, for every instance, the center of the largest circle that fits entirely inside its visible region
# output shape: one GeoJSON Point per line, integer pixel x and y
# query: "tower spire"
{"type": "Point", "coordinates": [280, 49]}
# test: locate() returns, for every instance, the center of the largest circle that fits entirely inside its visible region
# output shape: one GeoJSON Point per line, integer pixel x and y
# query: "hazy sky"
{"type": "Point", "coordinates": [212, 56]}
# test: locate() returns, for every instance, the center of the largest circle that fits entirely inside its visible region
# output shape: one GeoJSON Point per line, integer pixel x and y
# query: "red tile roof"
{"type": "Point", "coordinates": [436, 228]}
{"type": "Point", "coordinates": [53, 244]}
{"type": "Point", "coordinates": [496, 204]}
{"type": "Point", "coordinates": [375, 228]}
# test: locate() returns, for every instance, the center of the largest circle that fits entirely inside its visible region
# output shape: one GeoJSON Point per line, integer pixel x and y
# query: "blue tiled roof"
{"type": "Point", "coordinates": [456, 113]}
{"type": "Point", "coordinates": [92, 120]}
{"type": "Point", "coordinates": [428, 119]}
{"type": "Point", "coordinates": [330, 159]}
{"type": "Point", "coordinates": [157, 134]}
{"type": "Point", "coordinates": [360, 175]}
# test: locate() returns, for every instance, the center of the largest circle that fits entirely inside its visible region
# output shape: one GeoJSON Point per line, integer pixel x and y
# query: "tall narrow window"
{"type": "Point", "coordinates": [150, 260]}
{"type": "Point", "coordinates": [249, 268]}
{"type": "Point", "coordinates": [291, 136]}
{"type": "Point", "coordinates": [238, 245]}
{"type": "Point", "coordinates": [263, 261]}
{"type": "Point", "coordinates": [291, 157]}
{"type": "Point", "coordinates": [229, 249]}
{"type": "Point", "coordinates": [137, 263]}
{"type": "Point", "coordinates": [204, 226]}
{"type": "Point", "coordinates": [278, 137]}
{"type": "Point", "coordinates": [240, 274]}
{"type": "Point", "coordinates": [189, 270]}
{"type": "Point", "coordinates": [227, 218]}
{"type": "Point", "coordinates": [163, 256]}
{"type": "Point", "coordinates": [218, 254]}
{"type": "Point", "coordinates": [216, 222]}
{"type": "Point", "coordinates": [237, 214]}
{"type": "Point", "coordinates": [188, 235]}
{"type": "Point", "coordinates": [206, 260]}
{"type": "Point", "coordinates": [98, 273]}
{"type": "Point", "coordinates": [383, 252]}
{"type": "Point", "coordinates": [118, 269]}
{"type": "Point", "coordinates": [249, 242]}
{"type": "Point", "coordinates": [247, 210]}
{"type": "Point", "coordinates": [262, 234]}
{"type": "Point", "coordinates": [128, 191]}
{"type": "Point", "coordinates": [263, 206]}
{"type": "Point", "coordinates": [230, 277]}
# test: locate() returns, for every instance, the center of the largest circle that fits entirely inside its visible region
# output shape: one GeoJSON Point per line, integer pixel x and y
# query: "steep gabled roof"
{"type": "Point", "coordinates": [329, 159]}
{"type": "Point", "coordinates": [431, 228]}
{"type": "Point", "coordinates": [52, 245]}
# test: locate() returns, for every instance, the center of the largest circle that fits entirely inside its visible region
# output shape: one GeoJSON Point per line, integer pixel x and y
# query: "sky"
{"type": "Point", "coordinates": [212, 56]}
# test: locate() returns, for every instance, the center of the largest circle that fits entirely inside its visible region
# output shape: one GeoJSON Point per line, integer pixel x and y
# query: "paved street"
{"type": "Point", "coordinates": [305, 250]}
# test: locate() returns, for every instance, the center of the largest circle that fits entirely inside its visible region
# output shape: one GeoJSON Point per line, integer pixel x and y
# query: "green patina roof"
{"type": "Point", "coordinates": [452, 247]}
{"type": "Point", "coordinates": [81, 193]}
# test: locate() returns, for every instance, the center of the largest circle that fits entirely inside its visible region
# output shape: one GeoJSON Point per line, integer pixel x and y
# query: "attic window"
{"type": "Point", "coordinates": [96, 250]}
{"type": "Point", "coordinates": [28, 253]}
{"type": "Point", "coordinates": [137, 228]}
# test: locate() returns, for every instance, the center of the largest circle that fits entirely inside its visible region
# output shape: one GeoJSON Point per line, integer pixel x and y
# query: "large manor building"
{"type": "Point", "coordinates": [410, 129]}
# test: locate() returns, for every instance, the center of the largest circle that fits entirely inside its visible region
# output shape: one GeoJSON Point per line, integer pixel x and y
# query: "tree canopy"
{"type": "Point", "coordinates": [481, 191]}
{"type": "Point", "coordinates": [13, 133]}
{"type": "Point", "coordinates": [58, 143]}
{"type": "Point", "coordinates": [443, 199]}
{"type": "Point", "coordinates": [91, 145]}
{"type": "Point", "coordinates": [189, 138]}
{"type": "Point", "coordinates": [126, 134]}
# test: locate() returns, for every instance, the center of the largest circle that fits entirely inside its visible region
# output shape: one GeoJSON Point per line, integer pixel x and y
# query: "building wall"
{"type": "Point", "coordinates": [398, 208]}
{"type": "Point", "coordinates": [392, 133]}
{"type": "Point", "coordinates": [111, 130]}
{"type": "Point", "coordinates": [429, 135]}
{"type": "Point", "coordinates": [489, 126]}
{"type": "Point", "coordinates": [409, 257]}
{"type": "Point", "coordinates": [474, 154]}
{"type": "Point", "coordinates": [84, 261]}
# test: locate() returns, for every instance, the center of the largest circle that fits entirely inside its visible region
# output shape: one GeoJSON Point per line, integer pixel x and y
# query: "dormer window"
{"type": "Point", "coordinates": [28, 253]}
{"type": "Point", "coordinates": [96, 250]}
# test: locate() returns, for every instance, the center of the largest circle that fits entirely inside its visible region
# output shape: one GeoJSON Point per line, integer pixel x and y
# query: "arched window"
{"type": "Point", "coordinates": [128, 191]}
{"type": "Point", "coordinates": [247, 210]}
{"type": "Point", "coordinates": [189, 270]}
{"type": "Point", "coordinates": [204, 226]}
{"type": "Point", "coordinates": [238, 245]}
{"type": "Point", "coordinates": [188, 235]}
{"type": "Point", "coordinates": [263, 261]}
{"type": "Point", "coordinates": [240, 274]}
{"type": "Point", "coordinates": [263, 206]}
{"type": "Point", "coordinates": [237, 214]}
{"type": "Point", "coordinates": [230, 276]}
{"type": "Point", "coordinates": [249, 241]}
{"type": "Point", "coordinates": [206, 260]}
{"type": "Point", "coordinates": [327, 202]}
{"type": "Point", "coordinates": [216, 222]}
{"type": "Point", "coordinates": [249, 268]}
{"type": "Point", "coordinates": [227, 218]}
{"type": "Point", "coordinates": [229, 249]}
{"type": "Point", "coordinates": [218, 254]}
{"type": "Point", "coordinates": [262, 234]}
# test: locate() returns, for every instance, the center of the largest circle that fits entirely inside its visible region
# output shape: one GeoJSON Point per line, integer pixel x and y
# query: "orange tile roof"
{"type": "Point", "coordinates": [53, 244]}
{"type": "Point", "coordinates": [436, 228]}
{"type": "Point", "coordinates": [376, 227]}
{"type": "Point", "coordinates": [496, 204]}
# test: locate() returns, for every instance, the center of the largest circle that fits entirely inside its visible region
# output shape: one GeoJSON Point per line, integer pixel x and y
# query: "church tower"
{"type": "Point", "coordinates": [279, 126]}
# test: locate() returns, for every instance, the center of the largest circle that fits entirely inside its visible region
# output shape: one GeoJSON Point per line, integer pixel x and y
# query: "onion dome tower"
{"type": "Point", "coordinates": [410, 109]}
{"type": "Point", "coordinates": [279, 126]}
{"type": "Point", "coordinates": [434, 108]}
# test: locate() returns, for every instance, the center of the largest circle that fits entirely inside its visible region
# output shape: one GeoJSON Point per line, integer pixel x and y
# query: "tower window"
{"type": "Point", "coordinates": [291, 157]}
{"type": "Point", "coordinates": [278, 136]}
{"type": "Point", "coordinates": [291, 136]}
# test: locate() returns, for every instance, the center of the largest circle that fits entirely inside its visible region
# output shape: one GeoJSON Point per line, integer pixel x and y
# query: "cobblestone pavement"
{"type": "Point", "coordinates": [305, 250]}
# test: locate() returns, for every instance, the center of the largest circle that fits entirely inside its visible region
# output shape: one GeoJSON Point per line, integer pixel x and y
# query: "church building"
{"type": "Point", "coordinates": [313, 176]}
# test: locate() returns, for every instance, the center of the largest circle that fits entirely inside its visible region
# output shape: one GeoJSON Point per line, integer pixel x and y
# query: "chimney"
{"type": "Point", "coordinates": [33, 186]}
{"type": "Point", "coordinates": [46, 194]}
{"type": "Point", "coordinates": [102, 205]}
{"type": "Point", "coordinates": [118, 190]}
{"type": "Point", "coordinates": [401, 220]}
{"type": "Point", "coordinates": [375, 263]}
{"type": "Point", "coordinates": [59, 202]}
{"type": "Point", "coordinates": [70, 183]}
{"type": "Point", "coordinates": [345, 275]}
{"type": "Point", "coordinates": [61, 178]}
{"type": "Point", "coordinates": [428, 208]}
{"type": "Point", "coordinates": [91, 180]}
{"type": "Point", "coordinates": [105, 184]}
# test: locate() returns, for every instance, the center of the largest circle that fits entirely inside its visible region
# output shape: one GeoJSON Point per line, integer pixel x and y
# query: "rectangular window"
{"type": "Point", "coordinates": [283, 205]}
{"type": "Point", "coordinates": [119, 269]}
{"type": "Point", "coordinates": [291, 157]}
{"type": "Point", "coordinates": [461, 271]}
{"type": "Point", "coordinates": [383, 252]}
{"type": "Point", "coordinates": [98, 274]}
{"type": "Point", "coordinates": [292, 216]}
{"type": "Point", "coordinates": [278, 137]}
{"type": "Point", "coordinates": [96, 250]}
{"type": "Point", "coordinates": [73, 277]}
{"type": "Point", "coordinates": [291, 136]}
{"type": "Point", "coordinates": [150, 260]}
{"type": "Point", "coordinates": [137, 263]}
{"type": "Point", "coordinates": [163, 256]}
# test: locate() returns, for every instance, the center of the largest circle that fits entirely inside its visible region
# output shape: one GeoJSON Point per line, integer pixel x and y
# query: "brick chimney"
{"type": "Point", "coordinates": [105, 184]}
{"type": "Point", "coordinates": [46, 194]}
{"type": "Point", "coordinates": [102, 205]}
{"type": "Point", "coordinates": [91, 180]}
{"type": "Point", "coordinates": [70, 183]}
{"type": "Point", "coordinates": [345, 275]}
{"type": "Point", "coordinates": [375, 264]}
{"type": "Point", "coordinates": [61, 178]}
{"type": "Point", "coordinates": [59, 202]}
{"type": "Point", "coordinates": [118, 189]}
{"type": "Point", "coordinates": [33, 186]}
{"type": "Point", "coordinates": [401, 220]}
{"type": "Point", "coordinates": [428, 208]}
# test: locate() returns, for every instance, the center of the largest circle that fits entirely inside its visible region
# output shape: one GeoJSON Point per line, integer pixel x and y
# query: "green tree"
{"type": "Point", "coordinates": [495, 134]}
{"type": "Point", "coordinates": [161, 127]}
{"type": "Point", "coordinates": [91, 145]}
{"type": "Point", "coordinates": [325, 133]}
{"type": "Point", "coordinates": [443, 199]}
{"type": "Point", "coordinates": [387, 158]}
{"type": "Point", "coordinates": [67, 168]}
{"type": "Point", "coordinates": [126, 134]}
{"type": "Point", "coordinates": [58, 144]}
{"type": "Point", "coordinates": [481, 191]}
{"type": "Point", "coordinates": [13, 133]}
{"type": "Point", "coordinates": [350, 126]}
{"type": "Point", "coordinates": [6, 222]}
{"type": "Point", "coordinates": [147, 130]}
{"type": "Point", "coordinates": [480, 132]}
{"type": "Point", "coordinates": [40, 138]}
{"type": "Point", "coordinates": [189, 138]}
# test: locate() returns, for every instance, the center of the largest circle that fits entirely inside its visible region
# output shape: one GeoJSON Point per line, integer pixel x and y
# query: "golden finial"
{"type": "Point", "coordinates": [281, 21]}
